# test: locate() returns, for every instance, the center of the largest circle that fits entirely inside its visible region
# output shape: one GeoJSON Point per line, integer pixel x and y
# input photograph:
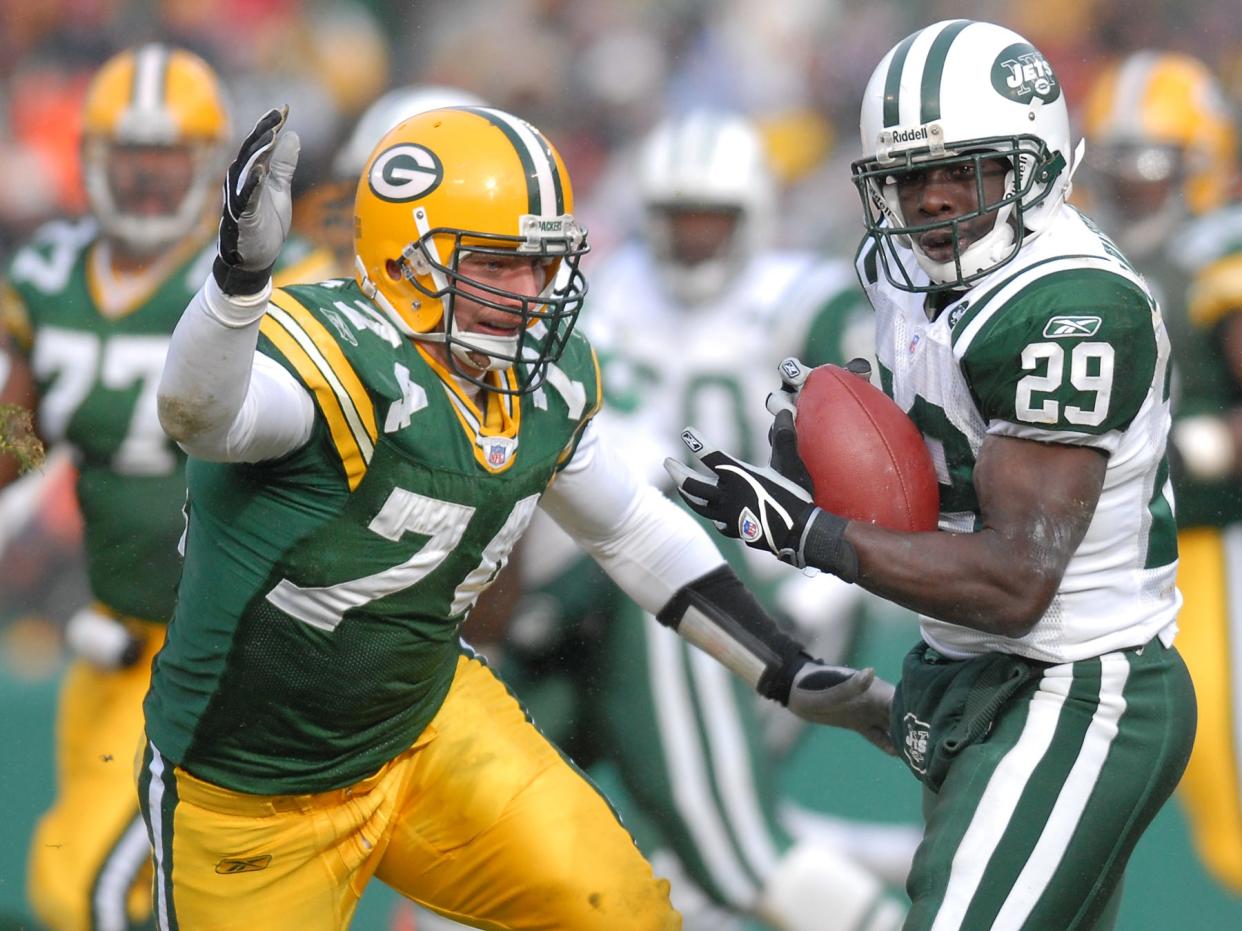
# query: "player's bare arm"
{"type": "Point", "coordinates": [1036, 501]}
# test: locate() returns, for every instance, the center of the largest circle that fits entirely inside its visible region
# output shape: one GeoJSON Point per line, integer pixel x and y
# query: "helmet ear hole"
{"type": "Point", "coordinates": [393, 269]}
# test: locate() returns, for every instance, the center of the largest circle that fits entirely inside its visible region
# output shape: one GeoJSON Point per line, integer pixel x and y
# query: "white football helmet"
{"type": "Point", "coordinates": [389, 110]}
{"type": "Point", "coordinates": [955, 93]}
{"type": "Point", "coordinates": [707, 163]}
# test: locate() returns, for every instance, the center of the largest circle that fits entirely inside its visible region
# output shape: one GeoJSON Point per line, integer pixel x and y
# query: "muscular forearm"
{"type": "Point", "coordinates": [979, 580]}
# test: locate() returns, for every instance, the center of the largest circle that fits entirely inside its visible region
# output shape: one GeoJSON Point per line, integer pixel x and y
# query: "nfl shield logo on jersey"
{"type": "Point", "coordinates": [498, 450]}
{"type": "Point", "coordinates": [918, 738]}
{"type": "Point", "coordinates": [748, 526]}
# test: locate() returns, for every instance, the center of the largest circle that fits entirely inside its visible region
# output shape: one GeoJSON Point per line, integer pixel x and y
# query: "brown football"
{"type": "Point", "coordinates": [866, 458]}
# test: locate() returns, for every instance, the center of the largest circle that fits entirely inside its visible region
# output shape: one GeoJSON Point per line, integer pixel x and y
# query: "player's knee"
{"type": "Point", "coordinates": [616, 903]}
{"type": "Point", "coordinates": [817, 887]}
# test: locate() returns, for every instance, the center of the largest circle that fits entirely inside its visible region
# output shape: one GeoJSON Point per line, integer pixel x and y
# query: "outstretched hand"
{"type": "Point", "coordinates": [844, 697]}
{"type": "Point", "coordinates": [258, 206]}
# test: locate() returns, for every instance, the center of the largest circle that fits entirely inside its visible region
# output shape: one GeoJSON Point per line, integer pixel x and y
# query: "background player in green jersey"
{"type": "Point", "coordinates": [314, 718]}
{"type": "Point", "coordinates": [1045, 709]}
{"type": "Point", "coordinates": [1161, 160]}
{"type": "Point", "coordinates": [89, 306]}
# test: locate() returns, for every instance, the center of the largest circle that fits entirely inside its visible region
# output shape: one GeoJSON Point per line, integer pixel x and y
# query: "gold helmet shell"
{"type": "Point", "coordinates": [460, 180]}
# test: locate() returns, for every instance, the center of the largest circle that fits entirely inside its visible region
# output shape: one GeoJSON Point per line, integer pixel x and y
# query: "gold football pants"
{"type": "Point", "coordinates": [1210, 640]}
{"type": "Point", "coordinates": [481, 820]}
{"type": "Point", "coordinates": [89, 866]}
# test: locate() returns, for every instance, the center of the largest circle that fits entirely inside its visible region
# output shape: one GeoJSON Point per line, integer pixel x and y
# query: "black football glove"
{"type": "Point", "coordinates": [754, 504]}
{"type": "Point", "coordinates": [258, 206]}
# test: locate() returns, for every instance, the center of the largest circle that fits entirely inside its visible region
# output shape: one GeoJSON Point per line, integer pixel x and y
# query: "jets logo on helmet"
{"type": "Point", "coordinates": [1022, 74]}
{"type": "Point", "coordinates": [405, 172]}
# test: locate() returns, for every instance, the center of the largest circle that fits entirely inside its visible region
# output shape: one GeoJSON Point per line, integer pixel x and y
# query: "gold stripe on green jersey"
{"type": "Point", "coordinates": [323, 368]}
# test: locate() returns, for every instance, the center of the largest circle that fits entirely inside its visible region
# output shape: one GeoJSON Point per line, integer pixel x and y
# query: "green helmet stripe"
{"type": "Point", "coordinates": [892, 82]}
{"type": "Point", "coordinates": [543, 179]}
{"type": "Point", "coordinates": [933, 69]}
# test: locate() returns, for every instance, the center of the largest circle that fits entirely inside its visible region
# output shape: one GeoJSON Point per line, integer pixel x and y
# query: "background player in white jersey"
{"type": "Point", "coordinates": [1161, 161]}
{"type": "Point", "coordinates": [89, 305]}
{"type": "Point", "coordinates": [1045, 708]}
{"type": "Point", "coordinates": [314, 719]}
{"type": "Point", "coordinates": [690, 316]}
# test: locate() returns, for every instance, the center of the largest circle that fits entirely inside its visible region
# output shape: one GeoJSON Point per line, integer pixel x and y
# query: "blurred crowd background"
{"type": "Point", "coordinates": [595, 75]}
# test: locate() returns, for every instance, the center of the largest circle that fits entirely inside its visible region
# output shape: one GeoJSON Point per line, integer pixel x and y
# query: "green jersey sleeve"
{"type": "Point", "coordinates": [1073, 354]}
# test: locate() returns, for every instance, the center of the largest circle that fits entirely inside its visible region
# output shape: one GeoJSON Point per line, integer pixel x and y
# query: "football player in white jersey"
{"type": "Point", "coordinates": [689, 317]}
{"type": "Point", "coordinates": [1044, 707]}
{"type": "Point", "coordinates": [1161, 159]}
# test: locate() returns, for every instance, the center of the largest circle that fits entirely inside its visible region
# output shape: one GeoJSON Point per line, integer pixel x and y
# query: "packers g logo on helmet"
{"type": "Point", "coordinates": [405, 172]}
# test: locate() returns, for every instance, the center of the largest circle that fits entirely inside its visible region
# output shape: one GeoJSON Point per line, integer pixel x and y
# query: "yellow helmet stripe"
{"type": "Point", "coordinates": [323, 368]}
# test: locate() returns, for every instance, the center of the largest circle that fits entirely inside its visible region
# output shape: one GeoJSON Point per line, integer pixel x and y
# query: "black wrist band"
{"type": "Point", "coordinates": [238, 281]}
{"type": "Point", "coordinates": [824, 546]}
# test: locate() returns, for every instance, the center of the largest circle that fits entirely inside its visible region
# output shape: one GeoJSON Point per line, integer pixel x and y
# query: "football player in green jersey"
{"type": "Point", "coordinates": [1161, 158]}
{"type": "Point", "coordinates": [364, 455]}
{"type": "Point", "coordinates": [89, 306]}
{"type": "Point", "coordinates": [1044, 709]}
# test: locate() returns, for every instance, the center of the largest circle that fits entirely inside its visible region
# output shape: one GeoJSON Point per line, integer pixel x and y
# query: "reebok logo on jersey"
{"type": "Point", "coordinates": [231, 865]}
{"type": "Point", "coordinates": [1067, 326]}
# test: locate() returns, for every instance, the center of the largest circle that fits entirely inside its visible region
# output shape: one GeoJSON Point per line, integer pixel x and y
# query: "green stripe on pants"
{"type": "Point", "coordinates": [1034, 824]}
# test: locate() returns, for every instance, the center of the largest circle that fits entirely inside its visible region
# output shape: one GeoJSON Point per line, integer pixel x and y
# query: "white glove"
{"type": "Point", "coordinates": [258, 206]}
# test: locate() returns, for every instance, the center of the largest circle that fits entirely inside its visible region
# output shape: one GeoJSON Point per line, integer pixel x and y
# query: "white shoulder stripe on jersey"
{"type": "Point", "coordinates": [997, 301]}
{"type": "Point", "coordinates": [545, 171]}
{"type": "Point", "coordinates": [294, 329]}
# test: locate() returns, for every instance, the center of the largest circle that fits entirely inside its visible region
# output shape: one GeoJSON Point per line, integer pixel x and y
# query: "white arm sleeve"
{"type": "Point", "coordinates": [647, 544]}
{"type": "Point", "coordinates": [217, 398]}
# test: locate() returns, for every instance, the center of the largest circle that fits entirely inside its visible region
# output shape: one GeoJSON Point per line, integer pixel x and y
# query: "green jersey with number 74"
{"type": "Point", "coordinates": [318, 615]}
{"type": "Point", "coordinates": [1065, 344]}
